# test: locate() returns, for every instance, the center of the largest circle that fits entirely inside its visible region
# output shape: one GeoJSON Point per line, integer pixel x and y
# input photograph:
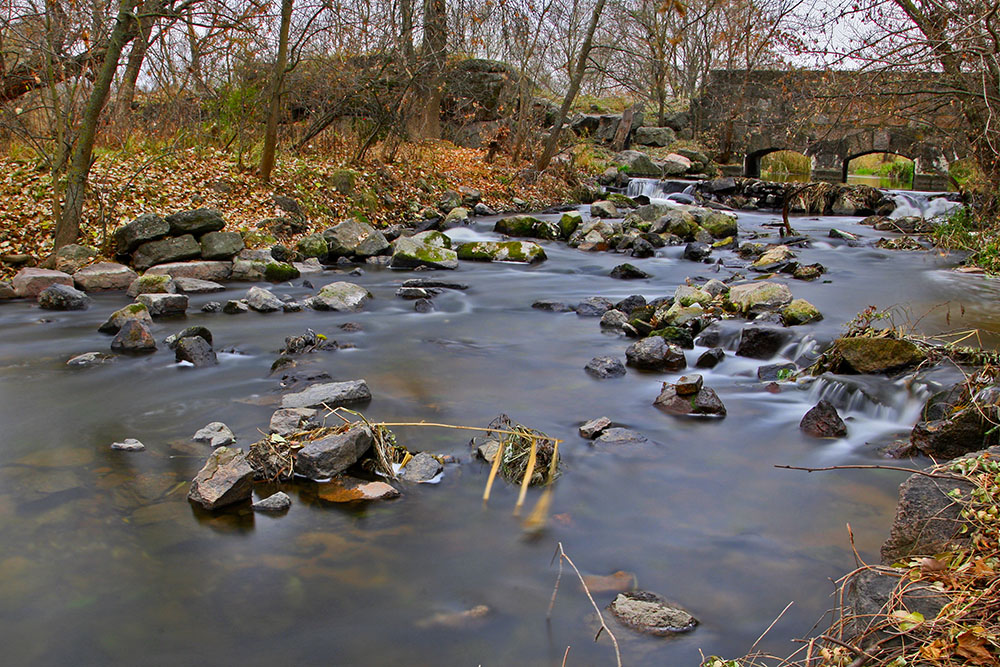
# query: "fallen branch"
{"type": "Point", "coordinates": [874, 467]}
{"type": "Point", "coordinates": [561, 553]}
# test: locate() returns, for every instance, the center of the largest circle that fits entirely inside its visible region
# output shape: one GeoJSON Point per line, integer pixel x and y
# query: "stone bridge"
{"type": "Point", "coordinates": [831, 117]}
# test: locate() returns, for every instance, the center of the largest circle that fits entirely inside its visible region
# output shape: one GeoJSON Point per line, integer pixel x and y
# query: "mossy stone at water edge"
{"type": "Point", "coordinates": [800, 311]}
{"type": "Point", "coordinates": [133, 311]}
{"type": "Point", "coordinates": [876, 355]}
{"type": "Point", "coordinates": [568, 223]}
{"type": "Point", "coordinates": [279, 272]}
{"type": "Point", "coordinates": [502, 251]}
{"type": "Point", "coordinates": [720, 225]}
{"type": "Point", "coordinates": [526, 225]}
{"type": "Point", "coordinates": [313, 245]}
{"type": "Point", "coordinates": [409, 253]}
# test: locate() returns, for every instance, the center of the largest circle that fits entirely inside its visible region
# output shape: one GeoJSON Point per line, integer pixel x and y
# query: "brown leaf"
{"type": "Point", "coordinates": [972, 647]}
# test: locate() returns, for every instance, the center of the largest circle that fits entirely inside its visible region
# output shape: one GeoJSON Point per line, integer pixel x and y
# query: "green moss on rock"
{"type": "Point", "coordinates": [279, 272]}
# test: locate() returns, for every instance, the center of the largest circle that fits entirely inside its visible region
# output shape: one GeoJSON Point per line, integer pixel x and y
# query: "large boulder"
{"type": "Point", "coordinates": [73, 257]}
{"type": "Point", "coordinates": [340, 296]}
{"type": "Point", "coordinates": [637, 163]}
{"type": "Point", "coordinates": [960, 432]}
{"type": "Point", "coordinates": [150, 283]}
{"type": "Point", "coordinates": [197, 222]}
{"type": "Point", "coordinates": [354, 238]}
{"type": "Point", "coordinates": [221, 245]}
{"type": "Point", "coordinates": [62, 297]}
{"type": "Point", "coordinates": [29, 282]}
{"type": "Point", "coordinates": [654, 136]}
{"type": "Point", "coordinates": [195, 350]}
{"type": "Point", "coordinates": [173, 249]}
{"type": "Point", "coordinates": [410, 253]}
{"type": "Point", "coordinates": [147, 227]}
{"type": "Point", "coordinates": [655, 354]}
{"type": "Point", "coordinates": [226, 478]}
{"type": "Point", "coordinates": [202, 270]}
{"type": "Point", "coordinates": [757, 342]}
{"type": "Point", "coordinates": [759, 296]}
{"type": "Point", "coordinates": [104, 276]}
{"type": "Point", "coordinates": [333, 454]}
{"type": "Point", "coordinates": [329, 395]}
{"type": "Point", "coordinates": [861, 354]}
{"type": "Point", "coordinates": [524, 252]}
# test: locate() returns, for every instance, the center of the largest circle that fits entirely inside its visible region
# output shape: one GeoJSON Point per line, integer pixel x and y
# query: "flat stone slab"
{"type": "Point", "coordinates": [104, 276]}
{"type": "Point", "coordinates": [200, 270]}
{"type": "Point", "coordinates": [329, 394]}
{"type": "Point", "coordinates": [197, 286]}
{"type": "Point", "coordinates": [164, 304]}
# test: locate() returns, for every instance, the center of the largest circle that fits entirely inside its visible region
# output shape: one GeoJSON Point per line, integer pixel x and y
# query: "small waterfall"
{"type": "Point", "coordinates": [895, 402]}
{"type": "Point", "coordinates": [655, 189]}
{"type": "Point", "coordinates": [924, 204]}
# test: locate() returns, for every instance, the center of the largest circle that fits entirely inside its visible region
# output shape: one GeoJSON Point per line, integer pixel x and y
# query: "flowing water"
{"type": "Point", "coordinates": [104, 562]}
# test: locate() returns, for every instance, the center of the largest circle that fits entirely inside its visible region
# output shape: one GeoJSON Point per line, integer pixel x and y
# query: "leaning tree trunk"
{"type": "Point", "coordinates": [574, 87]}
{"type": "Point", "coordinates": [140, 45]}
{"type": "Point", "coordinates": [68, 224]}
{"type": "Point", "coordinates": [274, 109]}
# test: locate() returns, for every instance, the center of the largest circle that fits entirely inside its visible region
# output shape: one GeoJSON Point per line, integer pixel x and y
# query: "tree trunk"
{"type": "Point", "coordinates": [147, 18]}
{"type": "Point", "coordinates": [274, 109]}
{"type": "Point", "coordinates": [574, 87]}
{"type": "Point", "coordinates": [406, 34]}
{"type": "Point", "coordinates": [68, 224]}
{"type": "Point", "coordinates": [433, 54]}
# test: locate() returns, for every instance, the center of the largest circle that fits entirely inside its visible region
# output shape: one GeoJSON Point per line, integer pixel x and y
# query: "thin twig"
{"type": "Point", "coordinates": [604, 626]}
{"type": "Point", "coordinates": [874, 467]}
{"type": "Point", "coordinates": [778, 618]}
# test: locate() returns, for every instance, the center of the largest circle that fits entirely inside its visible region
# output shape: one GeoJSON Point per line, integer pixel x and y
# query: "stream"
{"type": "Point", "coordinates": [103, 560]}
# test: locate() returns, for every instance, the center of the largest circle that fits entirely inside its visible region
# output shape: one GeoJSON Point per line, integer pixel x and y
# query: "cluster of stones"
{"type": "Point", "coordinates": [681, 163]}
{"type": "Point", "coordinates": [422, 290]}
{"type": "Point", "coordinates": [823, 199]}
{"type": "Point", "coordinates": [150, 240]}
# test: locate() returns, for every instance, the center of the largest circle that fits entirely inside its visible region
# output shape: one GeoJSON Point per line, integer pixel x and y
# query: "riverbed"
{"type": "Point", "coordinates": [103, 560]}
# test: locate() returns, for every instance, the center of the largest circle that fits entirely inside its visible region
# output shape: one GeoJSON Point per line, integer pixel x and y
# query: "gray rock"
{"type": "Point", "coordinates": [133, 336]}
{"type": "Point", "coordinates": [603, 209]}
{"type": "Point", "coordinates": [216, 434]}
{"type": "Point", "coordinates": [195, 350]}
{"type": "Point", "coordinates": [823, 421]}
{"type": "Point", "coordinates": [151, 283]}
{"type": "Point", "coordinates": [287, 421]}
{"type": "Point", "coordinates": [421, 468]}
{"type": "Point", "coordinates": [775, 372]}
{"type": "Point", "coordinates": [483, 209]}
{"type": "Point", "coordinates": [688, 385]}
{"type": "Point", "coordinates": [613, 319]}
{"type": "Point", "coordinates": [198, 270]}
{"type": "Point", "coordinates": [760, 296]}
{"type": "Point", "coordinates": [340, 296]}
{"type": "Point", "coordinates": [651, 614]}
{"type": "Point", "coordinates": [62, 297]}
{"type": "Point", "coordinates": [147, 227]}
{"type": "Point", "coordinates": [73, 257]}
{"type": "Point", "coordinates": [29, 282]}
{"type": "Point", "coordinates": [697, 252]}
{"type": "Point", "coordinates": [347, 238]}
{"type": "Point", "coordinates": [161, 305]}
{"type": "Point", "coordinates": [212, 307]}
{"type": "Point", "coordinates": [221, 245]}
{"type": "Point", "coordinates": [757, 342]}
{"type": "Point", "coordinates": [655, 354]}
{"type": "Point", "coordinates": [262, 300]}
{"type": "Point", "coordinates": [629, 272]}
{"type": "Point", "coordinates": [620, 438]}
{"type": "Point", "coordinates": [330, 394]}
{"type": "Point", "coordinates": [333, 454]}
{"type": "Point", "coordinates": [415, 293]}
{"type": "Point", "coordinates": [134, 311]}
{"type": "Point", "coordinates": [276, 502]}
{"type": "Point", "coordinates": [639, 164]}
{"type": "Point", "coordinates": [173, 249]}
{"type": "Point", "coordinates": [594, 427]}
{"type": "Point", "coordinates": [233, 307]}
{"type": "Point", "coordinates": [410, 253]}
{"type": "Point", "coordinates": [605, 367]}
{"type": "Point", "coordinates": [654, 136]}
{"type": "Point", "coordinates": [226, 478]}
{"type": "Point", "coordinates": [705, 402]}
{"type": "Point", "coordinates": [594, 306]}
{"type": "Point", "coordinates": [197, 222]}
{"type": "Point", "coordinates": [128, 445]}
{"type": "Point", "coordinates": [104, 276]}
{"type": "Point", "coordinates": [873, 595]}
{"type": "Point", "coordinates": [173, 339]}
{"type": "Point", "coordinates": [553, 306]}
{"type": "Point", "coordinates": [423, 305]}
{"type": "Point", "coordinates": [7, 290]}
{"type": "Point", "coordinates": [88, 359]}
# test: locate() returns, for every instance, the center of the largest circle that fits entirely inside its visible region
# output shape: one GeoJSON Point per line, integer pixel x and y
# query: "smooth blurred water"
{"type": "Point", "coordinates": [104, 562]}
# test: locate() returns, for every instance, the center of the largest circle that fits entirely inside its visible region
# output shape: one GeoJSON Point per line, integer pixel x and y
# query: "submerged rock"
{"type": "Point", "coordinates": [823, 421]}
{"type": "Point", "coordinates": [328, 456]}
{"type": "Point", "coordinates": [651, 614]}
{"type": "Point", "coordinates": [330, 394]}
{"type": "Point", "coordinates": [345, 489]}
{"type": "Point", "coordinates": [620, 438]}
{"type": "Point", "coordinates": [88, 359]}
{"type": "Point", "coordinates": [225, 479]}
{"type": "Point", "coordinates": [276, 502]}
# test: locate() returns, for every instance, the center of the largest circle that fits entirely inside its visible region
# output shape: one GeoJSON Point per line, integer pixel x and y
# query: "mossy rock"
{"type": "Point", "coordinates": [343, 180]}
{"type": "Point", "coordinates": [800, 311]}
{"type": "Point", "coordinates": [682, 225]}
{"type": "Point", "coordinates": [644, 313]}
{"type": "Point", "coordinates": [872, 356]}
{"type": "Point", "coordinates": [432, 238]}
{"type": "Point", "coordinates": [457, 216]}
{"type": "Point", "coordinates": [279, 272]}
{"type": "Point", "coordinates": [686, 295]}
{"type": "Point", "coordinates": [502, 251]}
{"type": "Point", "coordinates": [313, 245]}
{"type": "Point", "coordinates": [720, 225]}
{"type": "Point", "coordinates": [622, 201]}
{"type": "Point", "coordinates": [677, 315]}
{"type": "Point", "coordinates": [675, 335]}
{"type": "Point", "coordinates": [727, 243]}
{"type": "Point", "coordinates": [569, 223]}
{"type": "Point", "coordinates": [527, 226]}
{"type": "Point", "coordinates": [409, 253]}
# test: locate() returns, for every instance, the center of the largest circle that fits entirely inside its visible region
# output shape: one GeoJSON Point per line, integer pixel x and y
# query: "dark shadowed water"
{"type": "Point", "coordinates": [104, 562]}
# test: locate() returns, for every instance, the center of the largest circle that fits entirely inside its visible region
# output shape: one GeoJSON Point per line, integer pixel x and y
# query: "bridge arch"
{"type": "Point", "coordinates": [846, 168]}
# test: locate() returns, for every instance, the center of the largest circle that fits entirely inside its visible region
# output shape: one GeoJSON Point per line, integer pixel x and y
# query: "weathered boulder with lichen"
{"type": "Point", "coordinates": [340, 296]}
{"type": "Point", "coordinates": [524, 252]}
{"type": "Point", "coordinates": [800, 311]}
{"type": "Point", "coordinates": [134, 311]}
{"type": "Point", "coordinates": [527, 226]}
{"type": "Point", "coordinates": [759, 296]}
{"type": "Point", "coordinates": [411, 252]}
{"type": "Point", "coordinates": [867, 355]}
